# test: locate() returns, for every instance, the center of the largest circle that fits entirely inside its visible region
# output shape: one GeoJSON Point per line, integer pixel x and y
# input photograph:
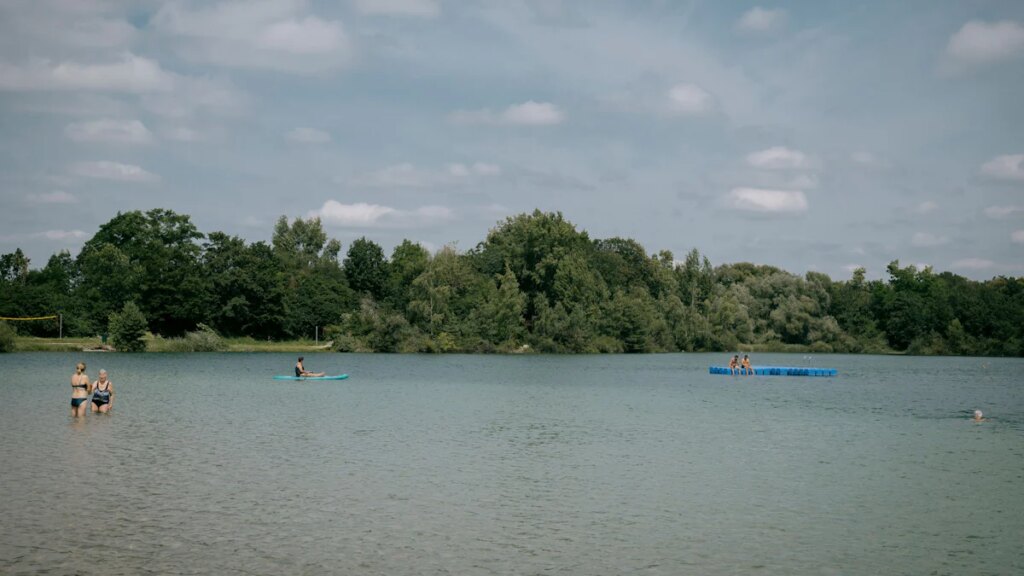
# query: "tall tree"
{"type": "Point", "coordinates": [408, 261]}
{"type": "Point", "coordinates": [164, 244]}
{"type": "Point", "coordinates": [366, 269]}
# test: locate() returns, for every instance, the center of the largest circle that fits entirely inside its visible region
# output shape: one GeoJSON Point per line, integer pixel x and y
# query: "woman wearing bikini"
{"type": "Point", "coordinates": [102, 393]}
{"type": "Point", "coordinates": [79, 390]}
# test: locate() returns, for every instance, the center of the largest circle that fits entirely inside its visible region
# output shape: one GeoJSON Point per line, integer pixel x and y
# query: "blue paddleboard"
{"type": "Point", "coordinates": [777, 371]}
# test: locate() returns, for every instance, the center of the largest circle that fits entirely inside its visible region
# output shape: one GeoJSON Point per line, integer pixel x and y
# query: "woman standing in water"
{"type": "Point", "coordinates": [79, 390]}
{"type": "Point", "coordinates": [102, 393]}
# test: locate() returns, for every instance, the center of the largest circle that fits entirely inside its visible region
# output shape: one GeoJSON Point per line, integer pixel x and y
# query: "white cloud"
{"type": "Point", "coordinates": [359, 214]}
{"type": "Point", "coordinates": [759, 19]}
{"type": "Point", "coordinates": [926, 240]}
{"type": "Point", "coordinates": [401, 176]}
{"type": "Point", "coordinates": [55, 197]}
{"type": "Point", "coordinates": [1017, 236]}
{"type": "Point", "coordinates": [478, 168]}
{"type": "Point", "coordinates": [528, 113]}
{"type": "Point", "coordinates": [926, 207]}
{"type": "Point", "coordinates": [132, 74]}
{"type": "Point", "coordinates": [980, 42]}
{"type": "Point", "coordinates": [194, 95]}
{"type": "Point", "coordinates": [65, 26]}
{"type": "Point", "coordinates": [106, 170]}
{"type": "Point", "coordinates": [803, 182]}
{"type": "Point", "coordinates": [423, 8]}
{"type": "Point", "coordinates": [362, 215]}
{"type": "Point", "coordinates": [109, 130]}
{"type": "Point", "coordinates": [274, 34]}
{"type": "Point", "coordinates": [484, 169]}
{"type": "Point", "coordinates": [1006, 167]}
{"type": "Point", "coordinates": [774, 201]}
{"type": "Point", "coordinates": [164, 93]}
{"type": "Point", "coordinates": [62, 235]}
{"type": "Point", "coordinates": [181, 134]}
{"type": "Point", "coordinates": [777, 158]}
{"type": "Point", "coordinates": [406, 175]}
{"type": "Point", "coordinates": [459, 170]}
{"type": "Point", "coordinates": [865, 158]}
{"type": "Point", "coordinates": [690, 99]}
{"type": "Point", "coordinates": [1003, 212]}
{"type": "Point", "coordinates": [974, 264]}
{"type": "Point", "coordinates": [308, 136]}
{"type": "Point", "coordinates": [532, 113]}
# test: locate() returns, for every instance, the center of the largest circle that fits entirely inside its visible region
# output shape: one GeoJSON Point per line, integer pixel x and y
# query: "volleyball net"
{"type": "Point", "coordinates": [37, 329]}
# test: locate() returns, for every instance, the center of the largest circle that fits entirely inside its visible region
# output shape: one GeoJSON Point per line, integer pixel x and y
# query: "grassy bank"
{"type": "Point", "coordinates": [158, 344]}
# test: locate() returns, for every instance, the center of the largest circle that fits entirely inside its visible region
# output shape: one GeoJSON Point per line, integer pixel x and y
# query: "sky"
{"type": "Point", "coordinates": [820, 135]}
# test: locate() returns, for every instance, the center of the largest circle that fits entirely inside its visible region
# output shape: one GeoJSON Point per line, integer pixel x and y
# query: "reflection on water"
{"type": "Point", "coordinates": [513, 465]}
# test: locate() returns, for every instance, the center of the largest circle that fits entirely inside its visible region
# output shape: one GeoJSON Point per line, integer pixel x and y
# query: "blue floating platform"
{"type": "Point", "coordinates": [777, 371]}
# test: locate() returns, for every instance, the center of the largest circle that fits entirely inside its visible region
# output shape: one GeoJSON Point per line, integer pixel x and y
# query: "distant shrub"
{"type": "Point", "coordinates": [204, 339]}
{"type": "Point", "coordinates": [128, 328]}
{"type": "Point", "coordinates": [608, 345]}
{"type": "Point", "coordinates": [820, 347]}
{"type": "Point", "coordinates": [931, 344]}
{"type": "Point", "coordinates": [6, 337]}
{"type": "Point", "coordinates": [344, 343]}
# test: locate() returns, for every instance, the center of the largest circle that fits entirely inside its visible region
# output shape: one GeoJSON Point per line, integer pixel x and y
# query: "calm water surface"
{"type": "Point", "coordinates": [460, 465]}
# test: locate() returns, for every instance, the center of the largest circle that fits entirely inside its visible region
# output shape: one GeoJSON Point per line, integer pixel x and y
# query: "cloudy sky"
{"type": "Point", "coordinates": [817, 135]}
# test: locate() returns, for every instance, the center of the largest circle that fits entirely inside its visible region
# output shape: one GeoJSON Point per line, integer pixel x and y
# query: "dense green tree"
{"type": "Point", "coordinates": [315, 300]}
{"type": "Point", "coordinates": [109, 280]}
{"type": "Point", "coordinates": [366, 269]}
{"type": "Point", "coordinates": [534, 280]}
{"type": "Point", "coordinates": [14, 267]}
{"type": "Point", "coordinates": [303, 244]}
{"type": "Point", "coordinates": [408, 261]}
{"type": "Point", "coordinates": [531, 245]}
{"type": "Point", "coordinates": [246, 287]}
{"type": "Point", "coordinates": [171, 290]}
{"type": "Point", "coordinates": [633, 318]}
{"type": "Point", "coordinates": [443, 296]}
{"type": "Point", "coordinates": [558, 330]}
{"type": "Point", "coordinates": [499, 317]}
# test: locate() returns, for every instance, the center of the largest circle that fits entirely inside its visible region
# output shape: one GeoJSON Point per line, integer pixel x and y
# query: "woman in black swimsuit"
{"type": "Point", "coordinates": [79, 390]}
{"type": "Point", "coordinates": [102, 393]}
{"type": "Point", "coordinates": [300, 370]}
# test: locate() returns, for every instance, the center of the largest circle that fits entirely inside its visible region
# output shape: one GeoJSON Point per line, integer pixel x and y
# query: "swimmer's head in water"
{"type": "Point", "coordinates": [978, 414]}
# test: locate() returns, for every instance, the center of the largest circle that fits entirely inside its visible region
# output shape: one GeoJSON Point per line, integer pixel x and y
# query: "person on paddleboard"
{"type": "Point", "coordinates": [301, 371]}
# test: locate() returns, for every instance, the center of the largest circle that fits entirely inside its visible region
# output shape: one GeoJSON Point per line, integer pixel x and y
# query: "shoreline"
{"type": "Point", "coordinates": [157, 345]}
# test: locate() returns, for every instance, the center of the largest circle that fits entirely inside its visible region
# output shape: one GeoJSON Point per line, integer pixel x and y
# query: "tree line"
{"type": "Point", "coordinates": [535, 283]}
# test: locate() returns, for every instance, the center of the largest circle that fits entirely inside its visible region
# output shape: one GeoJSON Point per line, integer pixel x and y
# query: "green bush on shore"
{"type": "Point", "coordinates": [128, 328]}
{"type": "Point", "coordinates": [204, 339]}
{"type": "Point", "coordinates": [6, 338]}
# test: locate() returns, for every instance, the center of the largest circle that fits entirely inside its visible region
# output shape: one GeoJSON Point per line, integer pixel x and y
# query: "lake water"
{"type": "Point", "coordinates": [464, 465]}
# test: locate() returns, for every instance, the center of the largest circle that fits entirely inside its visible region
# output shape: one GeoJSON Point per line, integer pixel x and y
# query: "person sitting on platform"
{"type": "Point", "coordinates": [734, 364]}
